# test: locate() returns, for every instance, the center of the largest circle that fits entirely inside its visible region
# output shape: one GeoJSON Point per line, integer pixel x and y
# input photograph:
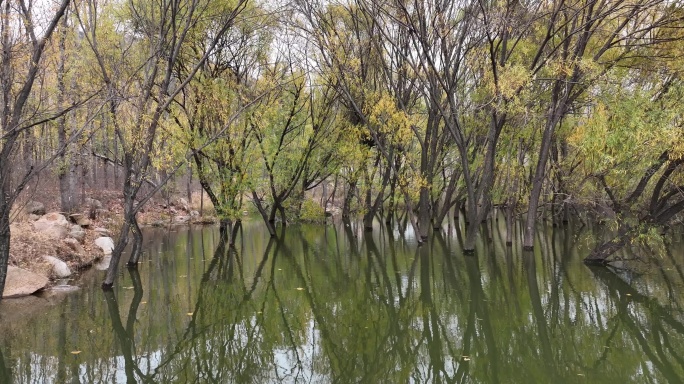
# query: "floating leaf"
{"type": "Point", "coordinates": [143, 302]}
{"type": "Point", "coordinates": [629, 294]}
{"type": "Point", "coordinates": [190, 313]}
{"type": "Point", "coordinates": [465, 358]}
{"type": "Point", "coordinates": [183, 276]}
{"type": "Point", "coordinates": [300, 288]}
{"type": "Point", "coordinates": [129, 287]}
{"type": "Point", "coordinates": [75, 352]}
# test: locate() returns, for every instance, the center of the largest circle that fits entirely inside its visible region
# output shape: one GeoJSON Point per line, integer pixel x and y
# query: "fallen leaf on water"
{"type": "Point", "coordinates": [128, 287]}
{"type": "Point", "coordinates": [75, 352]}
{"type": "Point", "coordinates": [629, 294]}
{"type": "Point", "coordinates": [580, 374]}
{"type": "Point", "coordinates": [183, 276]}
{"type": "Point", "coordinates": [143, 302]}
{"type": "Point", "coordinates": [190, 313]}
{"type": "Point", "coordinates": [465, 358]}
{"type": "Point", "coordinates": [300, 288]}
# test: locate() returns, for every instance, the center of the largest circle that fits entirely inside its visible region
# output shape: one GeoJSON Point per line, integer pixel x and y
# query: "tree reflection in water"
{"type": "Point", "coordinates": [332, 304]}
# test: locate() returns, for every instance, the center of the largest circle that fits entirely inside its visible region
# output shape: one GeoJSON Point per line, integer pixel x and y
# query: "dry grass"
{"type": "Point", "coordinates": [27, 248]}
{"type": "Point", "coordinates": [196, 202]}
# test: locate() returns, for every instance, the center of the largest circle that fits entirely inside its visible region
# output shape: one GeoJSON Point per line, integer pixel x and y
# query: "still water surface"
{"type": "Point", "coordinates": [332, 304]}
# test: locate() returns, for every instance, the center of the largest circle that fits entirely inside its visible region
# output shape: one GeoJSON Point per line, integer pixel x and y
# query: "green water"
{"type": "Point", "coordinates": [333, 304]}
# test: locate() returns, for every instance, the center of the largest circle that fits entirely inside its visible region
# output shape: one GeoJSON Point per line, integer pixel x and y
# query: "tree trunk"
{"type": "Point", "coordinates": [264, 215]}
{"type": "Point", "coordinates": [4, 244]}
{"type": "Point", "coordinates": [599, 255]}
{"type": "Point", "coordinates": [537, 185]}
{"type": "Point", "coordinates": [136, 251]}
{"type": "Point", "coordinates": [349, 195]}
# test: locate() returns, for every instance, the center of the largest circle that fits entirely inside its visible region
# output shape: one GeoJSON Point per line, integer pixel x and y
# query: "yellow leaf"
{"type": "Point", "coordinates": [190, 313]}
{"type": "Point", "coordinates": [75, 352]}
{"type": "Point", "coordinates": [300, 289]}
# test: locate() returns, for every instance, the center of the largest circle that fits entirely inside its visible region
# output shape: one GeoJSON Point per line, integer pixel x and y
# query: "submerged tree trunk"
{"type": "Point", "coordinates": [4, 244]}
{"type": "Point", "coordinates": [262, 211]}
{"type": "Point", "coordinates": [136, 251]}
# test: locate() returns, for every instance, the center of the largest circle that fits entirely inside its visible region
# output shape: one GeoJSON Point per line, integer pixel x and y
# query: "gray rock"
{"type": "Point", "coordinates": [33, 217]}
{"type": "Point", "coordinates": [21, 282]}
{"type": "Point", "coordinates": [106, 244]}
{"type": "Point", "coordinates": [77, 233]}
{"type": "Point", "coordinates": [97, 204]}
{"type": "Point", "coordinates": [53, 224]}
{"type": "Point", "coordinates": [183, 204]}
{"type": "Point", "coordinates": [194, 214]}
{"type": "Point", "coordinates": [35, 207]}
{"type": "Point", "coordinates": [59, 268]}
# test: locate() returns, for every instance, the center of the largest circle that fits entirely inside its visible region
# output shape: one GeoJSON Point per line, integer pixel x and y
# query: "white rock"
{"type": "Point", "coordinates": [103, 263]}
{"type": "Point", "coordinates": [20, 282]}
{"type": "Point", "coordinates": [59, 268]}
{"type": "Point", "coordinates": [106, 244]}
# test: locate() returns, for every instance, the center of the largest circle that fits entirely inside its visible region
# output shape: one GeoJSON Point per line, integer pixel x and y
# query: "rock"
{"type": "Point", "coordinates": [183, 204]}
{"type": "Point", "coordinates": [33, 217]}
{"type": "Point", "coordinates": [97, 204]}
{"type": "Point", "coordinates": [63, 288]}
{"type": "Point", "coordinates": [77, 232]}
{"type": "Point", "coordinates": [181, 219]}
{"type": "Point", "coordinates": [79, 219]}
{"type": "Point", "coordinates": [194, 214]}
{"type": "Point", "coordinates": [103, 264]}
{"type": "Point", "coordinates": [21, 282]}
{"type": "Point", "coordinates": [35, 207]}
{"type": "Point", "coordinates": [106, 244]}
{"type": "Point", "coordinates": [75, 246]}
{"type": "Point", "coordinates": [53, 224]}
{"type": "Point", "coordinates": [102, 231]}
{"type": "Point", "coordinates": [59, 268]}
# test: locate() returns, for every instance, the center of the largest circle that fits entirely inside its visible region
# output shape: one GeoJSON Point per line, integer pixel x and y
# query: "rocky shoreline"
{"type": "Point", "coordinates": [49, 247]}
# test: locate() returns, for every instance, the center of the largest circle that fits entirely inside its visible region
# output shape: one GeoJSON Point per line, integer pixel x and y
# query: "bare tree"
{"type": "Point", "coordinates": [22, 53]}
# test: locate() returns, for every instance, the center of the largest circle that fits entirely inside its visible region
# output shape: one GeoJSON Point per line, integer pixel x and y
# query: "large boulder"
{"type": "Point", "coordinates": [54, 224]}
{"type": "Point", "coordinates": [35, 208]}
{"type": "Point", "coordinates": [20, 282]}
{"type": "Point", "coordinates": [59, 268]}
{"type": "Point", "coordinates": [106, 244]}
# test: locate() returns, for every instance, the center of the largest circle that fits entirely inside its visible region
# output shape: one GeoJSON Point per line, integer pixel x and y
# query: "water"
{"type": "Point", "coordinates": [332, 304]}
